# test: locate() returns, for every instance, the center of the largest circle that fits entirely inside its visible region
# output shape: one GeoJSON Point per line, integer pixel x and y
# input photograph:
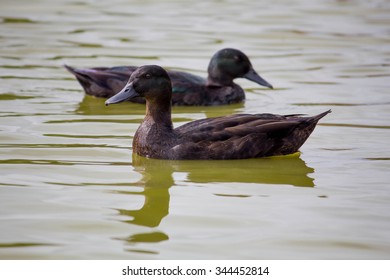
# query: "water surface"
{"type": "Point", "coordinates": [70, 187]}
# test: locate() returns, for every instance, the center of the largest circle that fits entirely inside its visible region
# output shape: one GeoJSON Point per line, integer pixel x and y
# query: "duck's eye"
{"type": "Point", "coordinates": [148, 76]}
{"type": "Point", "coordinates": [237, 58]}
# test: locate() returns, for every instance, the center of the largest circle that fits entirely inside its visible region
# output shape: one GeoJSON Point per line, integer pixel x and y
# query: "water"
{"type": "Point", "coordinates": [70, 187]}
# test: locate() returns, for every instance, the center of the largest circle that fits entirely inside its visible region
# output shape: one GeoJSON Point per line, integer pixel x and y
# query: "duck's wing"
{"type": "Point", "coordinates": [183, 81]}
{"type": "Point", "coordinates": [187, 88]}
{"type": "Point", "coordinates": [244, 136]}
{"type": "Point", "coordinates": [102, 81]}
{"type": "Point", "coordinates": [230, 121]}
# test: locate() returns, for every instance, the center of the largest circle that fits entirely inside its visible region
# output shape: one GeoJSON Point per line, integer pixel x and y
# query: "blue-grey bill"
{"type": "Point", "coordinates": [125, 94]}
{"type": "Point", "coordinates": [254, 77]}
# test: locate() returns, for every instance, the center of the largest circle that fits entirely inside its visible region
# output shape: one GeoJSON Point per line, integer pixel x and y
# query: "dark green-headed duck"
{"type": "Point", "coordinates": [188, 89]}
{"type": "Point", "coordinates": [236, 136]}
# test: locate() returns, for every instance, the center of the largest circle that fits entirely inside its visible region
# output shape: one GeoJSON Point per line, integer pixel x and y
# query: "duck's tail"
{"type": "Point", "coordinates": [320, 116]}
{"type": "Point", "coordinates": [93, 82]}
{"type": "Point", "coordinates": [80, 74]}
{"type": "Point", "coordinates": [70, 69]}
{"type": "Point", "coordinates": [304, 126]}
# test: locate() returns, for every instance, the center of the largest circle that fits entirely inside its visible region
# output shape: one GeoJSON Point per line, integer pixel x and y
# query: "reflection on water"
{"type": "Point", "coordinates": [283, 170]}
{"type": "Point", "coordinates": [157, 179]}
{"type": "Point", "coordinates": [92, 106]}
{"type": "Point", "coordinates": [65, 158]}
{"type": "Point", "coordinates": [287, 170]}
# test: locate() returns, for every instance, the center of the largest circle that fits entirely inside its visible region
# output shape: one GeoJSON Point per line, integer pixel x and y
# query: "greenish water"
{"type": "Point", "coordinates": [70, 187]}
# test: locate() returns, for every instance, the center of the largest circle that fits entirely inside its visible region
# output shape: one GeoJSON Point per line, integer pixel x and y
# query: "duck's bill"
{"type": "Point", "coordinates": [254, 77]}
{"type": "Point", "coordinates": [126, 93]}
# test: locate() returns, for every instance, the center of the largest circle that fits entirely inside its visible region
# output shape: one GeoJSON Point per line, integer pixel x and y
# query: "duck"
{"type": "Point", "coordinates": [188, 89]}
{"type": "Point", "coordinates": [237, 136]}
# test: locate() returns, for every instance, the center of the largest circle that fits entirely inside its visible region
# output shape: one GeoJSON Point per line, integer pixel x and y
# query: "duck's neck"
{"type": "Point", "coordinates": [217, 78]}
{"type": "Point", "coordinates": [159, 114]}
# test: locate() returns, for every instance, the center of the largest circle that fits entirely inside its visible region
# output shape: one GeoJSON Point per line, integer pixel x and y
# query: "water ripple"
{"type": "Point", "coordinates": [355, 125]}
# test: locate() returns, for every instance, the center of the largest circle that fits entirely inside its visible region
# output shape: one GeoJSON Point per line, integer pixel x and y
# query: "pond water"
{"type": "Point", "coordinates": [70, 187]}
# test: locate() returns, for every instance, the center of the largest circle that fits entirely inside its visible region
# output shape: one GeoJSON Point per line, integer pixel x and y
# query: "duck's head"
{"type": "Point", "coordinates": [149, 81]}
{"type": "Point", "coordinates": [229, 64]}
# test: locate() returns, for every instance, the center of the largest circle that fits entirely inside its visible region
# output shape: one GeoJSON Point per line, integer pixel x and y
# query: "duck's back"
{"type": "Point", "coordinates": [244, 136]}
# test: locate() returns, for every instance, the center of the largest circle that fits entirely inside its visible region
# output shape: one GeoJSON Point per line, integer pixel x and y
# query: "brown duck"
{"type": "Point", "coordinates": [230, 137]}
{"type": "Point", "coordinates": [188, 89]}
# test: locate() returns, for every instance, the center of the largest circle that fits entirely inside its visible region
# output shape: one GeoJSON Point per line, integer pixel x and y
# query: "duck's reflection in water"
{"type": "Point", "coordinates": [92, 106]}
{"type": "Point", "coordinates": [156, 181]}
{"type": "Point", "coordinates": [157, 178]}
{"type": "Point", "coordinates": [283, 170]}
